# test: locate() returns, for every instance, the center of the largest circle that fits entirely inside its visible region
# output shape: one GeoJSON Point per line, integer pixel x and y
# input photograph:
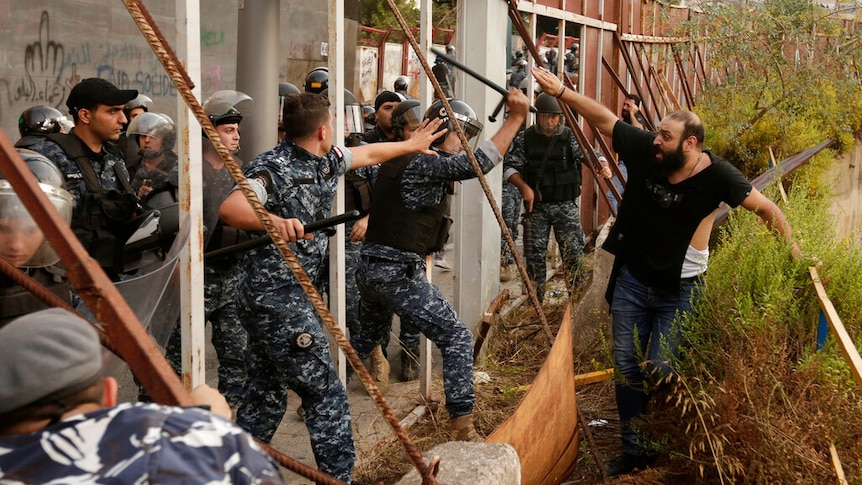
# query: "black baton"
{"type": "Point", "coordinates": [326, 223]}
{"type": "Point", "coordinates": [482, 79]}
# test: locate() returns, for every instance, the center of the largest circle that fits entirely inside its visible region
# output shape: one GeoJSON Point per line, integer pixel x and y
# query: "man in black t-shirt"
{"type": "Point", "coordinates": [673, 191]}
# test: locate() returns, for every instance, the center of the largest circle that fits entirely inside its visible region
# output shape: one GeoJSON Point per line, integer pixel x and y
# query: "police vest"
{"type": "Point", "coordinates": [423, 231]}
{"type": "Point", "coordinates": [357, 193]}
{"type": "Point", "coordinates": [551, 168]}
{"type": "Point", "coordinates": [104, 224]}
{"type": "Point", "coordinates": [15, 300]}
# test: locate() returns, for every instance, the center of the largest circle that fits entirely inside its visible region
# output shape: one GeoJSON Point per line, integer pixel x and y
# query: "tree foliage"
{"type": "Point", "coordinates": [377, 14]}
{"type": "Point", "coordinates": [786, 75]}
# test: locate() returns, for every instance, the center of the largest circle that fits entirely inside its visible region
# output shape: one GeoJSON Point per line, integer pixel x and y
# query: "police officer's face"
{"type": "Point", "coordinates": [105, 122]}
{"type": "Point", "coordinates": [134, 113]}
{"type": "Point", "coordinates": [384, 115]}
{"type": "Point", "coordinates": [229, 135]}
{"type": "Point", "coordinates": [20, 237]}
{"type": "Point", "coordinates": [150, 143]}
{"type": "Point", "coordinates": [548, 122]}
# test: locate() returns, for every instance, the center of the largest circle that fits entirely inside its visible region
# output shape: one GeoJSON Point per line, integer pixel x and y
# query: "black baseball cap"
{"type": "Point", "coordinates": [92, 91]}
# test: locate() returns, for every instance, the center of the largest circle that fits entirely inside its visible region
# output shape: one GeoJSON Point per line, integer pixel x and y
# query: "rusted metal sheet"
{"type": "Point", "coordinates": [544, 427]}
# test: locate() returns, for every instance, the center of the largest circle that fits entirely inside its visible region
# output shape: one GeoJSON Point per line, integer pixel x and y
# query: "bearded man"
{"type": "Point", "coordinates": [673, 191]}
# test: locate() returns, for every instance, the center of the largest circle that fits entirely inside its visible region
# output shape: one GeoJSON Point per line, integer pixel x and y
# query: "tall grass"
{"type": "Point", "coordinates": [754, 400]}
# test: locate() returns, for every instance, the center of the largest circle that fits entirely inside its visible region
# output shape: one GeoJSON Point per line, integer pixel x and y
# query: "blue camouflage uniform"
{"type": "Point", "coordinates": [558, 175]}
{"type": "Point", "coordinates": [229, 337]}
{"type": "Point", "coordinates": [137, 443]}
{"type": "Point", "coordinates": [287, 346]}
{"type": "Point", "coordinates": [97, 220]}
{"type": "Point", "coordinates": [393, 280]}
{"type": "Point", "coordinates": [351, 252]}
{"type": "Point", "coordinates": [511, 209]}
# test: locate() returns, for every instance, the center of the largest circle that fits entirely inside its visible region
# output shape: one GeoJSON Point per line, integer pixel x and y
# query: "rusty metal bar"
{"type": "Point", "coordinates": [133, 344]}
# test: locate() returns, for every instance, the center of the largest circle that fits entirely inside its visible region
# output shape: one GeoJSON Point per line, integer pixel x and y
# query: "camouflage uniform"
{"type": "Point", "coordinates": [351, 258]}
{"type": "Point", "coordinates": [511, 209]}
{"type": "Point", "coordinates": [104, 165]}
{"type": "Point", "coordinates": [229, 337]}
{"type": "Point", "coordinates": [288, 349]}
{"type": "Point", "coordinates": [561, 215]}
{"type": "Point", "coordinates": [100, 235]}
{"type": "Point", "coordinates": [137, 443]}
{"type": "Point", "coordinates": [393, 280]}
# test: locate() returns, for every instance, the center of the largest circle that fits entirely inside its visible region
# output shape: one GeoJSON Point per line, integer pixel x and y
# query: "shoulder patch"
{"type": "Point", "coordinates": [338, 152]}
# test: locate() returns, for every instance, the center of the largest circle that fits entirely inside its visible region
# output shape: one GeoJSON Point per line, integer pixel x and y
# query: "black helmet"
{"type": "Point", "coordinates": [464, 115]}
{"type": "Point", "coordinates": [40, 120]}
{"type": "Point", "coordinates": [317, 80]}
{"type": "Point", "coordinates": [406, 114]}
{"type": "Point", "coordinates": [546, 103]}
{"type": "Point", "coordinates": [401, 83]}
{"type": "Point", "coordinates": [353, 119]}
{"type": "Point", "coordinates": [222, 108]}
{"type": "Point", "coordinates": [11, 208]}
{"type": "Point", "coordinates": [286, 89]}
{"type": "Point", "coordinates": [519, 54]}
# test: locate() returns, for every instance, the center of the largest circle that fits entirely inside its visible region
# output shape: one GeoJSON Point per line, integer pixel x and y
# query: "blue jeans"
{"type": "Point", "coordinates": [643, 328]}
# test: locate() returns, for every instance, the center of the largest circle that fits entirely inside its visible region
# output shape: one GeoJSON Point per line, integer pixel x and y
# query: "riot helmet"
{"type": "Point", "coordinates": [408, 114]}
{"type": "Point", "coordinates": [354, 123]}
{"type": "Point", "coordinates": [368, 116]}
{"type": "Point", "coordinates": [155, 125]}
{"type": "Point", "coordinates": [223, 108]}
{"type": "Point", "coordinates": [317, 80]}
{"type": "Point", "coordinates": [547, 104]}
{"type": "Point", "coordinates": [522, 63]}
{"type": "Point", "coordinates": [401, 83]}
{"type": "Point", "coordinates": [40, 121]}
{"type": "Point", "coordinates": [21, 240]}
{"type": "Point", "coordinates": [141, 101]}
{"type": "Point", "coordinates": [463, 114]}
{"type": "Point", "coordinates": [286, 89]}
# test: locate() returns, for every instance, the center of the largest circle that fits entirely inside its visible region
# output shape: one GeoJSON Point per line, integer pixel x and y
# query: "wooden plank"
{"type": "Point", "coordinates": [593, 377]}
{"type": "Point", "coordinates": [836, 463]}
{"type": "Point", "coordinates": [844, 340]}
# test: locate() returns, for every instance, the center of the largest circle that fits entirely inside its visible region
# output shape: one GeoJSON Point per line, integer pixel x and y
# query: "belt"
{"type": "Point", "coordinates": [692, 279]}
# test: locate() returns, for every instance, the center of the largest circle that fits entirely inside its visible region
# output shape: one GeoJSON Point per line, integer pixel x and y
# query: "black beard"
{"type": "Point", "coordinates": [672, 161]}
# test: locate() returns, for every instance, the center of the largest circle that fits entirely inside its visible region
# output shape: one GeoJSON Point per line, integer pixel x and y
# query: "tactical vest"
{"type": "Point", "coordinates": [551, 169]}
{"type": "Point", "coordinates": [422, 231]}
{"type": "Point", "coordinates": [15, 300]}
{"type": "Point", "coordinates": [104, 224]}
{"type": "Point", "coordinates": [357, 193]}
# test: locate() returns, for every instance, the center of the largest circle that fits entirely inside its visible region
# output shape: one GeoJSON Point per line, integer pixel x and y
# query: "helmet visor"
{"type": "Point", "coordinates": [21, 240]}
{"type": "Point", "coordinates": [353, 121]}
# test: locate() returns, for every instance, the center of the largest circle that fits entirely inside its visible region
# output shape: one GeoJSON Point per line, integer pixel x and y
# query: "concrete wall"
{"type": "Point", "coordinates": [47, 46]}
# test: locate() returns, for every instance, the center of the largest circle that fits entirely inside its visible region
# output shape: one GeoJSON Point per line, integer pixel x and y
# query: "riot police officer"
{"type": "Point", "coordinates": [36, 122]}
{"type": "Point", "coordinates": [94, 171]}
{"type": "Point", "coordinates": [407, 223]}
{"type": "Point", "coordinates": [544, 163]}
{"type": "Point", "coordinates": [128, 146]}
{"type": "Point", "coordinates": [24, 245]}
